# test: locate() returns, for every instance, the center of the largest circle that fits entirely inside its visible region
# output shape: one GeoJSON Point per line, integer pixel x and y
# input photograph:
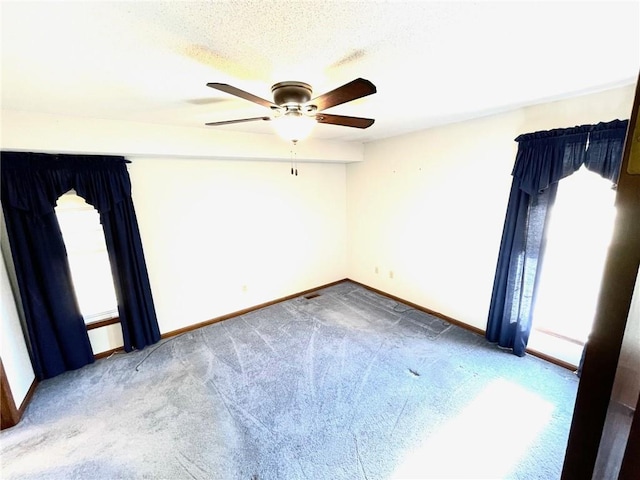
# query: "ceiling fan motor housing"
{"type": "Point", "coordinates": [286, 93]}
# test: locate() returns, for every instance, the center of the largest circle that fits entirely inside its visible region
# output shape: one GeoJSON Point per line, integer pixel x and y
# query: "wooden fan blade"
{"type": "Point", "coordinates": [357, 122]}
{"type": "Point", "coordinates": [241, 120]}
{"type": "Point", "coordinates": [242, 94]}
{"type": "Point", "coordinates": [353, 90]}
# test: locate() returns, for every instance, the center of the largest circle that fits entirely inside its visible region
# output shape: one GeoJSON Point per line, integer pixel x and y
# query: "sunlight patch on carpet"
{"type": "Point", "coordinates": [486, 440]}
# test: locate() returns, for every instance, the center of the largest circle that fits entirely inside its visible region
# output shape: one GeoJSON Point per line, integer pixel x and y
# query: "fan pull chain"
{"type": "Point", "coordinates": [294, 161]}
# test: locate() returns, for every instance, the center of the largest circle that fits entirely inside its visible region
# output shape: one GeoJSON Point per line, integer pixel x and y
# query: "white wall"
{"type": "Point", "coordinates": [35, 132]}
{"type": "Point", "coordinates": [220, 236]}
{"type": "Point", "coordinates": [13, 348]}
{"type": "Point", "coordinates": [430, 206]}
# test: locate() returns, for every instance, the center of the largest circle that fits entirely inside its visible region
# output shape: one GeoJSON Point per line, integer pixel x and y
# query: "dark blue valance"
{"type": "Point", "coordinates": [546, 157]}
{"type": "Point", "coordinates": [34, 181]}
{"type": "Point", "coordinates": [604, 153]}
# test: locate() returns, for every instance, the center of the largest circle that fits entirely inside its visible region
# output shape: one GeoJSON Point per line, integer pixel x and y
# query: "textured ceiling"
{"type": "Point", "coordinates": [432, 62]}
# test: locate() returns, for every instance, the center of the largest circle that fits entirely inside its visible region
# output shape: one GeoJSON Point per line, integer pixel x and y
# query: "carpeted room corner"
{"type": "Point", "coordinates": [249, 240]}
{"type": "Point", "coordinates": [341, 385]}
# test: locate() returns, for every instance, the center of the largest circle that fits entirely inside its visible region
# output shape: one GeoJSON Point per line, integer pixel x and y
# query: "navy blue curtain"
{"type": "Point", "coordinates": [543, 159]}
{"type": "Point", "coordinates": [55, 328]}
{"type": "Point", "coordinates": [31, 184]}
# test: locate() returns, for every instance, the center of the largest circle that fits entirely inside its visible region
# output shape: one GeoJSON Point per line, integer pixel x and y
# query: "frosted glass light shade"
{"type": "Point", "coordinates": [293, 127]}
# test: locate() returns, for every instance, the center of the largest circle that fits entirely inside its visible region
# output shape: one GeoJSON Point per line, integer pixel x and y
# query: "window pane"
{"type": "Point", "coordinates": [88, 258]}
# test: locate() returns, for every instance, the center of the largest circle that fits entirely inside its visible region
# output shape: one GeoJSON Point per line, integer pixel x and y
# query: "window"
{"type": "Point", "coordinates": [580, 229]}
{"type": "Point", "coordinates": [88, 259]}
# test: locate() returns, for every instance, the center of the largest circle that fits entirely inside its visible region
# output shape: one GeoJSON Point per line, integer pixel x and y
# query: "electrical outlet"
{"type": "Point", "coordinates": [245, 288]}
{"type": "Point", "coordinates": [390, 273]}
{"type": "Point", "coordinates": [376, 270]}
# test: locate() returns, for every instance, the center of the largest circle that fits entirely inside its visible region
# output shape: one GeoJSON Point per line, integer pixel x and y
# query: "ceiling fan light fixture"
{"type": "Point", "coordinates": [293, 126]}
{"type": "Point", "coordinates": [294, 113]}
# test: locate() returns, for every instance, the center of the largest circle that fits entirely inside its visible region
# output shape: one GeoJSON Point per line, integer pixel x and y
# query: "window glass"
{"type": "Point", "coordinates": [88, 259]}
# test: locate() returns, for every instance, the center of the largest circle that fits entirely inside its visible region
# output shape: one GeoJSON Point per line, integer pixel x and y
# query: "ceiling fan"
{"type": "Point", "coordinates": [294, 112]}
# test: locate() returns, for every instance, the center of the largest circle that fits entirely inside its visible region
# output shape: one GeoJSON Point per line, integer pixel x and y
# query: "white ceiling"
{"type": "Point", "coordinates": [432, 62]}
